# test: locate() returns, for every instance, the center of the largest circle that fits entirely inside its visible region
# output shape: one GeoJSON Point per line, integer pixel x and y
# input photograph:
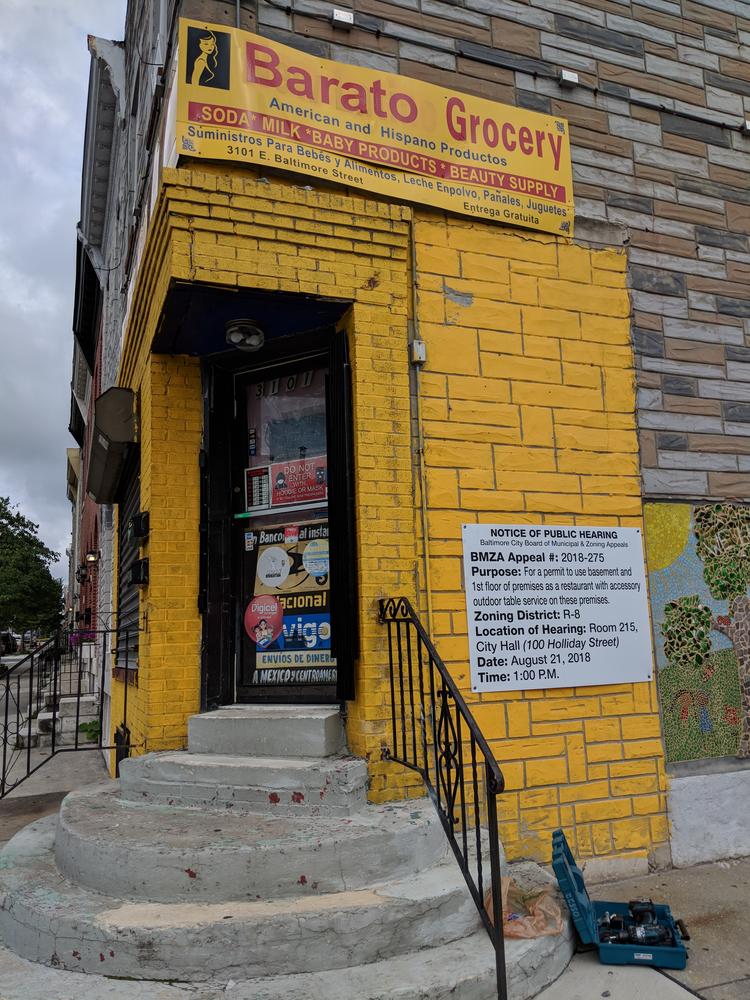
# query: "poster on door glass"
{"type": "Point", "coordinates": [288, 618]}
{"type": "Point", "coordinates": [289, 485]}
{"type": "Point", "coordinates": [287, 465]}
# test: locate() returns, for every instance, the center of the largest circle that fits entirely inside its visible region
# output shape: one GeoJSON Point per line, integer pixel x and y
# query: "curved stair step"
{"type": "Point", "coordinates": [460, 970]}
{"type": "Point", "coordinates": [412, 939]}
{"type": "Point", "coordinates": [46, 919]}
{"type": "Point", "coordinates": [332, 786]}
{"type": "Point", "coordinates": [164, 854]}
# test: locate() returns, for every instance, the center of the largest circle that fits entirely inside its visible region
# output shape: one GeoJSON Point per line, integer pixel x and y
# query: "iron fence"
{"type": "Point", "coordinates": [53, 701]}
{"type": "Point", "coordinates": [434, 734]}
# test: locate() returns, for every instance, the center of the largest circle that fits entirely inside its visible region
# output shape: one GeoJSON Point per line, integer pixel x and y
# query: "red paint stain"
{"type": "Point", "coordinates": [273, 798]}
{"type": "Point", "coordinates": [101, 957]}
{"type": "Point", "coordinates": [302, 880]}
{"type": "Point", "coordinates": [111, 954]}
{"type": "Point", "coordinates": [190, 873]}
{"type": "Point", "coordinates": [298, 797]}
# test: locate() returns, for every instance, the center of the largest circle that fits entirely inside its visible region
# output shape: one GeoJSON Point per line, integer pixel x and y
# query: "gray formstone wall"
{"type": "Point", "coordinates": [657, 149]}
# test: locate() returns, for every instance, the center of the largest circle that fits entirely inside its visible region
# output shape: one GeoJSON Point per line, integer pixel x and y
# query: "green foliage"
{"type": "Point", "coordinates": [722, 532]}
{"type": "Point", "coordinates": [686, 629]}
{"type": "Point", "coordinates": [30, 597]}
{"type": "Point", "coordinates": [90, 730]}
{"type": "Point", "coordinates": [683, 737]}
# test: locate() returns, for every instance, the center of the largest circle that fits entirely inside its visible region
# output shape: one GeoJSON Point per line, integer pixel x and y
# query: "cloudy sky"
{"type": "Point", "coordinates": [44, 66]}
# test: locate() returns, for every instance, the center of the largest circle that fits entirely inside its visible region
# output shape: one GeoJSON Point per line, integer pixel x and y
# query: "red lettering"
{"type": "Point", "coordinates": [327, 83]}
{"type": "Point", "coordinates": [555, 142]}
{"type": "Point", "coordinates": [525, 140]}
{"type": "Point", "coordinates": [539, 143]}
{"type": "Point", "coordinates": [378, 93]}
{"type": "Point", "coordinates": [261, 58]}
{"type": "Point", "coordinates": [411, 112]}
{"type": "Point", "coordinates": [509, 136]}
{"type": "Point", "coordinates": [455, 111]}
{"type": "Point", "coordinates": [490, 132]}
{"type": "Point", "coordinates": [300, 83]}
{"type": "Point", "coordinates": [354, 97]}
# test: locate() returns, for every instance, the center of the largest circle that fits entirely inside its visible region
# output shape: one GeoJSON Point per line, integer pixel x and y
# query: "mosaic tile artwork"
{"type": "Point", "coordinates": [699, 579]}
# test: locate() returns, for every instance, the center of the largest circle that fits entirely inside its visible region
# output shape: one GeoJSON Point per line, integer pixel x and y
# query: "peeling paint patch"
{"type": "Point", "coordinates": [460, 298]}
{"type": "Point", "coordinates": [273, 798]}
{"type": "Point", "coordinates": [298, 797]}
{"type": "Point", "coordinates": [190, 873]}
{"type": "Point", "coordinates": [302, 880]}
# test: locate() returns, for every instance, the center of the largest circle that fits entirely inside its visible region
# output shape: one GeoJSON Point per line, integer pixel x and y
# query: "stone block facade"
{"type": "Point", "coordinates": [658, 151]}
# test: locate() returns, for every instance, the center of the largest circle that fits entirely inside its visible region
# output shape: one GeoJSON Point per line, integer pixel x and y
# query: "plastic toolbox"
{"type": "Point", "coordinates": [635, 933]}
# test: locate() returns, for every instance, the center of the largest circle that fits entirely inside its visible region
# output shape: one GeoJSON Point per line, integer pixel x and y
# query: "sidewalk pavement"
{"type": "Point", "coordinates": [714, 902]}
{"type": "Point", "coordinates": [712, 899]}
{"type": "Point", "coordinates": [42, 793]}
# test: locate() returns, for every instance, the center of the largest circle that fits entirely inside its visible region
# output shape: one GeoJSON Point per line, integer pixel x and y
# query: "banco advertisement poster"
{"type": "Point", "coordinates": [288, 618]}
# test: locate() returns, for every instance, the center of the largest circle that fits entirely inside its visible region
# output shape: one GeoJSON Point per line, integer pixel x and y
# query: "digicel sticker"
{"type": "Point", "coordinates": [264, 617]}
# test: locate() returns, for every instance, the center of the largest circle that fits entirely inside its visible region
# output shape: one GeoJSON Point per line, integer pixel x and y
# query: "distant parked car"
{"type": "Point", "coordinates": [29, 640]}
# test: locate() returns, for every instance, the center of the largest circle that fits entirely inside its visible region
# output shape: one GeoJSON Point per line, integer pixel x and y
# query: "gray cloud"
{"type": "Point", "coordinates": [44, 66]}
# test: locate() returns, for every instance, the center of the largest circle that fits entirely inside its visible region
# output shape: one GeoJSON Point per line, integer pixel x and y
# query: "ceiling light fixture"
{"type": "Point", "coordinates": [244, 334]}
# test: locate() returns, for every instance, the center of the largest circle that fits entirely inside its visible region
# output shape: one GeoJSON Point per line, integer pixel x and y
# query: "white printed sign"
{"type": "Point", "coordinates": [555, 606]}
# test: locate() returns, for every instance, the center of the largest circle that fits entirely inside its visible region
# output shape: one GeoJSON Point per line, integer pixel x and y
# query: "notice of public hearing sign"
{"type": "Point", "coordinates": [555, 606]}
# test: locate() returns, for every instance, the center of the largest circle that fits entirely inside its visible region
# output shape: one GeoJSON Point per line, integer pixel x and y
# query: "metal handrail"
{"type": "Point", "coordinates": [40, 680]}
{"type": "Point", "coordinates": [434, 734]}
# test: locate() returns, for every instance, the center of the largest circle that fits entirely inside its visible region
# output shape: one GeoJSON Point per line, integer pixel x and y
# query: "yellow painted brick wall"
{"type": "Point", "coordinates": [225, 226]}
{"type": "Point", "coordinates": [169, 434]}
{"type": "Point", "coordinates": [529, 417]}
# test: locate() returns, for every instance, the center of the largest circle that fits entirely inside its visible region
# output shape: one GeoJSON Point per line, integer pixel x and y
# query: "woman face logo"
{"type": "Point", "coordinates": [208, 44]}
{"type": "Point", "coordinates": [206, 62]}
{"type": "Point", "coordinates": [208, 56]}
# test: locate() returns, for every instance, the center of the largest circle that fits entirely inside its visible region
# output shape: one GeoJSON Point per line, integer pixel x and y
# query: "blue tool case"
{"type": "Point", "coordinates": [636, 933]}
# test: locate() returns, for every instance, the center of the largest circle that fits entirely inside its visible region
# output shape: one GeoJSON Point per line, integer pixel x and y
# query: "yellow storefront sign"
{"type": "Point", "coordinates": [245, 98]}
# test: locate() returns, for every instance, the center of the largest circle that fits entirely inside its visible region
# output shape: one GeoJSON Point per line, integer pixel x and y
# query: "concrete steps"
{"type": "Point", "coordinates": [268, 731]}
{"type": "Point", "coordinates": [162, 854]}
{"type": "Point", "coordinates": [199, 941]}
{"type": "Point", "coordinates": [461, 970]}
{"type": "Point", "coordinates": [329, 786]}
{"type": "Point", "coordinates": [255, 857]}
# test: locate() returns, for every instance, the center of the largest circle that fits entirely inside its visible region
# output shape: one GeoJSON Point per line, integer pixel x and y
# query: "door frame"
{"type": "Point", "coordinates": [216, 601]}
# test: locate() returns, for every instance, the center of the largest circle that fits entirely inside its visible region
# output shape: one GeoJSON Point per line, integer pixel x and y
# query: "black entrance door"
{"type": "Point", "coordinates": [279, 565]}
{"type": "Point", "coordinates": [281, 535]}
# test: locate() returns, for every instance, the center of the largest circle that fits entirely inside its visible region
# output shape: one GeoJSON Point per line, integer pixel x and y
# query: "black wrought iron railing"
{"type": "Point", "coordinates": [54, 701]}
{"type": "Point", "coordinates": [434, 733]}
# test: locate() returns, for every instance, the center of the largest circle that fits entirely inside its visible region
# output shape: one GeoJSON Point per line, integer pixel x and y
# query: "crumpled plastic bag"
{"type": "Point", "coordinates": [527, 914]}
